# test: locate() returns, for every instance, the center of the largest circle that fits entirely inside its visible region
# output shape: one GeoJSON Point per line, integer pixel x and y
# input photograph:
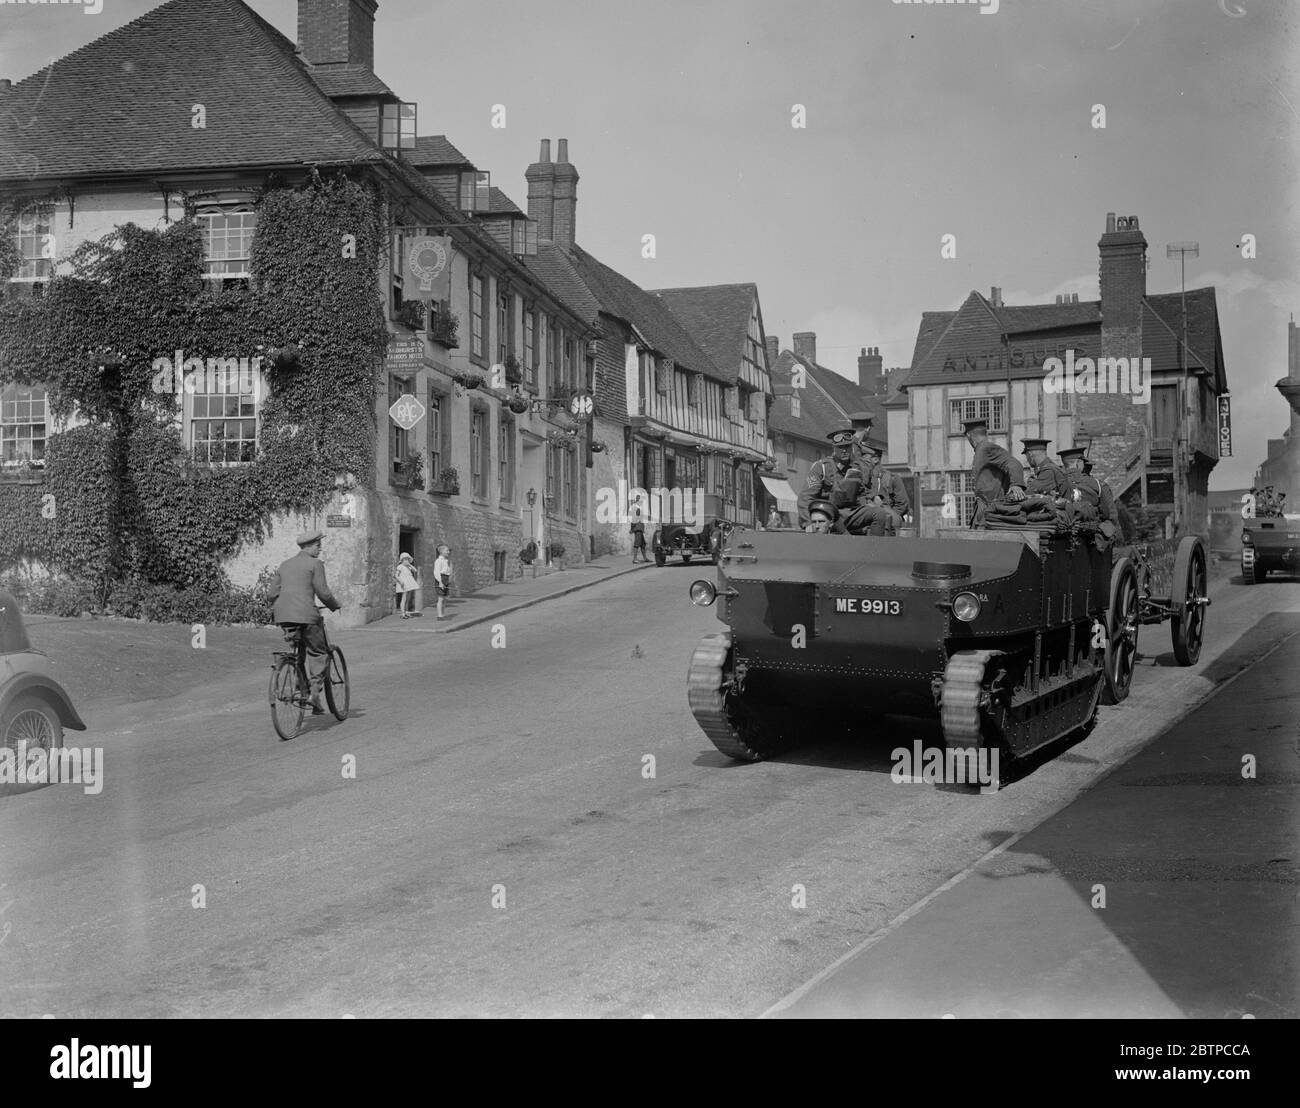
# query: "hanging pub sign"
{"type": "Point", "coordinates": [426, 267]}
{"type": "Point", "coordinates": [1225, 427]}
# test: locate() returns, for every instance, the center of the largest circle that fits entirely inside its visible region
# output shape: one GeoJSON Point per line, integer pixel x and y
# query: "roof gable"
{"type": "Point", "coordinates": [122, 104]}
{"type": "Point", "coordinates": [717, 317]}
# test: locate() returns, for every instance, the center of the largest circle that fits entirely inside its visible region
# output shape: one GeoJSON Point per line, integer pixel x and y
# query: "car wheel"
{"type": "Point", "coordinates": [28, 723]}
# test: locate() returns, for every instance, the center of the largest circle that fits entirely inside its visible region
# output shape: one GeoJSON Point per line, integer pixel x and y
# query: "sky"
{"type": "Point", "coordinates": [922, 120]}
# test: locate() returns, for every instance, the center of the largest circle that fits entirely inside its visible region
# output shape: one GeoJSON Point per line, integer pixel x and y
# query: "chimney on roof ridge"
{"type": "Point", "coordinates": [541, 193]}
{"type": "Point", "coordinates": [805, 344]}
{"type": "Point", "coordinates": [564, 221]}
{"type": "Point", "coordinates": [337, 32]}
{"type": "Point", "coordinates": [1123, 278]}
{"type": "Point", "coordinates": [871, 373]}
{"type": "Point", "coordinates": [996, 296]}
{"type": "Point", "coordinates": [773, 349]}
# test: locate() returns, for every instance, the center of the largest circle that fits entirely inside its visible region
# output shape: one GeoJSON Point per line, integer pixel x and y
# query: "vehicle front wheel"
{"type": "Point", "coordinates": [27, 724]}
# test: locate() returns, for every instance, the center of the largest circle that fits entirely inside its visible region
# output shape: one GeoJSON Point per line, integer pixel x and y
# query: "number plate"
{"type": "Point", "coordinates": [865, 606]}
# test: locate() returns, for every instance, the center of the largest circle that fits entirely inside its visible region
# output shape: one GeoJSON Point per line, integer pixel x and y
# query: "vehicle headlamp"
{"type": "Point", "coordinates": [703, 593]}
{"type": "Point", "coordinates": [965, 606]}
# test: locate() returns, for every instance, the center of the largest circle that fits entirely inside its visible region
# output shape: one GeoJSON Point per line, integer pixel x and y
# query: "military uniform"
{"type": "Point", "coordinates": [1089, 498]}
{"type": "Point", "coordinates": [841, 482]}
{"type": "Point", "coordinates": [1107, 504]}
{"type": "Point", "coordinates": [880, 483]}
{"type": "Point", "coordinates": [994, 472]}
{"type": "Point", "coordinates": [1046, 478]}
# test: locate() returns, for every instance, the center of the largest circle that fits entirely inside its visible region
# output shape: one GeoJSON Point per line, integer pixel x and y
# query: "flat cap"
{"type": "Point", "coordinates": [309, 537]}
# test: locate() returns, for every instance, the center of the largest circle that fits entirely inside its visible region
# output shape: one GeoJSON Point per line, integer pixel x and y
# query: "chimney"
{"type": "Point", "coordinates": [1123, 278]}
{"type": "Point", "coordinates": [805, 344]}
{"type": "Point", "coordinates": [996, 296]}
{"type": "Point", "coordinates": [564, 221]}
{"type": "Point", "coordinates": [337, 32]}
{"type": "Point", "coordinates": [871, 377]}
{"type": "Point", "coordinates": [1060, 299]}
{"type": "Point", "coordinates": [541, 193]}
{"type": "Point", "coordinates": [773, 350]}
{"type": "Point", "coordinates": [5, 84]}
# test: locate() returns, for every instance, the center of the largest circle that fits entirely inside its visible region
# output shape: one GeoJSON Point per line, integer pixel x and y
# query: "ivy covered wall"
{"type": "Point", "coordinates": [120, 500]}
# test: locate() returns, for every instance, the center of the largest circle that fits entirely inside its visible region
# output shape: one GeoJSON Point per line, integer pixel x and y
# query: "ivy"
{"type": "Point", "coordinates": [130, 505]}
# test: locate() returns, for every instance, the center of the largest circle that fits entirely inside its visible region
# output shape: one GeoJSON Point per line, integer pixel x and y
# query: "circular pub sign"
{"type": "Point", "coordinates": [427, 259]}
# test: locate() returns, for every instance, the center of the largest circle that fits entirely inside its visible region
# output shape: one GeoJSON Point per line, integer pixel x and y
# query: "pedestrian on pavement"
{"type": "Point", "coordinates": [442, 576]}
{"type": "Point", "coordinates": [406, 583]}
{"type": "Point", "coordinates": [774, 519]}
{"type": "Point", "coordinates": [297, 585]}
{"type": "Point", "coordinates": [638, 537]}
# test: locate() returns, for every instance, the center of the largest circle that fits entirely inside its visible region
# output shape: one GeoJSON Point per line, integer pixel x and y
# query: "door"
{"type": "Point", "coordinates": [1164, 416]}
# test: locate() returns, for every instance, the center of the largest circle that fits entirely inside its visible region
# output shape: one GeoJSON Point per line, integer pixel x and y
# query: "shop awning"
{"type": "Point", "coordinates": [786, 501]}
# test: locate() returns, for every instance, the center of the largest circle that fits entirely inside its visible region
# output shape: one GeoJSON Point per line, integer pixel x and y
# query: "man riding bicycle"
{"type": "Point", "coordinates": [297, 584]}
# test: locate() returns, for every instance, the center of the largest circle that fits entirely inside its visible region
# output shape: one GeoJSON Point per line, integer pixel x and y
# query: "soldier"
{"type": "Point", "coordinates": [861, 422]}
{"type": "Point", "coordinates": [1107, 497]}
{"type": "Point", "coordinates": [1047, 479]}
{"type": "Point", "coordinates": [884, 488]}
{"type": "Point", "coordinates": [1270, 504]}
{"type": "Point", "coordinates": [994, 472]}
{"type": "Point", "coordinates": [838, 480]}
{"type": "Point", "coordinates": [1086, 491]}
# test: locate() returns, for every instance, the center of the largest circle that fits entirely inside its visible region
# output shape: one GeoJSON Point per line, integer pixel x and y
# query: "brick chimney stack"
{"type": "Point", "coordinates": [805, 344]}
{"type": "Point", "coordinates": [871, 375]}
{"type": "Point", "coordinates": [337, 32]}
{"type": "Point", "coordinates": [773, 350]}
{"type": "Point", "coordinates": [996, 296]}
{"type": "Point", "coordinates": [564, 223]}
{"type": "Point", "coordinates": [541, 193]}
{"type": "Point", "coordinates": [1123, 275]}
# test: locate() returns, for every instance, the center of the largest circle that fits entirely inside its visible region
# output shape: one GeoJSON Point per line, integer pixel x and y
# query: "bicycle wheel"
{"type": "Point", "coordinates": [337, 693]}
{"type": "Point", "coordinates": [287, 704]}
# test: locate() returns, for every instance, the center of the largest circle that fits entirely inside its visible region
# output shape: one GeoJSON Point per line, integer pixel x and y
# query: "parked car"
{"type": "Point", "coordinates": [34, 707]}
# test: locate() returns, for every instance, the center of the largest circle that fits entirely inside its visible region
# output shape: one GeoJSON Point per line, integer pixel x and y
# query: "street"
{"type": "Point", "coordinates": [533, 829]}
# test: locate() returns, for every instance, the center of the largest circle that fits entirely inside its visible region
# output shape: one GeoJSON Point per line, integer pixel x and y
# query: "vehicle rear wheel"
{"type": "Point", "coordinates": [1121, 632]}
{"type": "Point", "coordinates": [29, 723]}
{"type": "Point", "coordinates": [1189, 601]}
{"type": "Point", "coordinates": [338, 694]}
{"type": "Point", "coordinates": [288, 703]}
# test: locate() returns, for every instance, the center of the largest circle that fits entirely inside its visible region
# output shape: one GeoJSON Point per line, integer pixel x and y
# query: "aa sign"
{"type": "Point", "coordinates": [426, 267]}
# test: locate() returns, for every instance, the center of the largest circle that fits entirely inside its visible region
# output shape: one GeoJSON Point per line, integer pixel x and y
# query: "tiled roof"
{"type": "Point", "coordinates": [1204, 342]}
{"type": "Point", "coordinates": [348, 80]}
{"type": "Point", "coordinates": [433, 150]}
{"type": "Point", "coordinates": [647, 313]}
{"type": "Point", "coordinates": [500, 204]}
{"type": "Point", "coordinates": [825, 401]}
{"type": "Point", "coordinates": [556, 272]}
{"type": "Point", "coordinates": [717, 316]}
{"type": "Point", "coordinates": [122, 104]}
{"type": "Point", "coordinates": [1026, 318]}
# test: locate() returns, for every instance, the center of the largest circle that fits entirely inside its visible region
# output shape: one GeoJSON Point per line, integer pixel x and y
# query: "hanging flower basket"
{"type": "Point", "coordinates": [468, 380]}
{"type": "Point", "coordinates": [514, 371]}
{"type": "Point", "coordinates": [528, 554]}
{"type": "Point", "coordinates": [518, 403]}
{"type": "Point", "coordinates": [598, 446]}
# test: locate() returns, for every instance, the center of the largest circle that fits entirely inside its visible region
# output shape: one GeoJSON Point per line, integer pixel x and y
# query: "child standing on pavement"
{"type": "Point", "coordinates": [442, 576]}
{"type": "Point", "coordinates": [406, 583]}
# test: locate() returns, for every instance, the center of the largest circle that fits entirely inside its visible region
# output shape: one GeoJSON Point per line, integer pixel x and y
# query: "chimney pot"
{"type": "Point", "coordinates": [563, 155]}
{"type": "Point", "coordinates": [1110, 223]}
{"type": "Point", "coordinates": [546, 151]}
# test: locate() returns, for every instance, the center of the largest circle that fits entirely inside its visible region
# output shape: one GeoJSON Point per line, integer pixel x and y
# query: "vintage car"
{"type": "Point", "coordinates": [1269, 543]}
{"type": "Point", "coordinates": [703, 537]}
{"type": "Point", "coordinates": [34, 707]}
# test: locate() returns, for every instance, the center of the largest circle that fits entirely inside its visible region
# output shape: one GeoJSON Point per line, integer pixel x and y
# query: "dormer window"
{"type": "Point", "coordinates": [474, 187]}
{"type": "Point", "coordinates": [227, 242]}
{"type": "Point", "coordinates": [523, 237]}
{"type": "Point", "coordinates": [397, 127]}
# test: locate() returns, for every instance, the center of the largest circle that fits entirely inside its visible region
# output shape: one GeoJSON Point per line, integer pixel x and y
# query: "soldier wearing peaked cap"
{"type": "Point", "coordinates": [861, 423]}
{"type": "Point", "coordinates": [994, 472]}
{"type": "Point", "coordinates": [1047, 478]}
{"type": "Point", "coordinates": [1090, 496]}
{"type": "Point", "coordinates": [884, 488]}
{"type": "Point", "coordinates": [839, 478]}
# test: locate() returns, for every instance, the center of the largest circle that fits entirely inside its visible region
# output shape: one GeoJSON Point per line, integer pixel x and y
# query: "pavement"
{"type": "Point", "coordinates": [1170, 889]}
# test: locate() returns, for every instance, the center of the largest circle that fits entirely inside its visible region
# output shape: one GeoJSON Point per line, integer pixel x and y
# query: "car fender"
{"type": "Point", "coordinates": [49, 690]}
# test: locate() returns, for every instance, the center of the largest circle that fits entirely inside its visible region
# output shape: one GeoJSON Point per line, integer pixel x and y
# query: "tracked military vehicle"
{"type": "Point", "coordinates": [1010, 637]}
{"type": "Point", "coordinates": [1269, 543]}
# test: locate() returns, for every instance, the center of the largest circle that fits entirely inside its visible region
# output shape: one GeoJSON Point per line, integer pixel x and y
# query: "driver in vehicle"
{"type": "Point", "coordinates": [297, 585]}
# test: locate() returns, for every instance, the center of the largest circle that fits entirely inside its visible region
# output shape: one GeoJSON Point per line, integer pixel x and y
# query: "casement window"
{"type": "Point", "coordinates": [990, 408]}
{"type": "Point", "coordinates": [397, 126]}
{"type": "Point", "coordinates": [479, 446]}
{"type": "Point", "coordinates": [477, 322]}
{"type": "Point", "coordinates": [569, 465]}
{"type": "Point", "coordinates": [557, 363]}
{"type": "Point", "coordinates": [506, 460]}
{"type": "Point", "coordinates": [523, 237]}
{"type": "Point", "coordinates": [552, 451]}
{"type": "Point", "coordinates": [221, 418]}
{"type": "Point", "coordinates": [227, 242]}
{"type": "Point", "coordinates": [543, 348]}
{"type": "Point", "coordinates": [35, 241]}
{"type": "Point", "coordinates": [571, 363]}
{"type": "Point", "coordinates": [474, 191]}
{"type": "Point", "coordinates": [744, 491]}
{"type": "Point", "coordinates": [725, 485]}
{"type": "Point", "coordinates": [505, 330]}
{"type": "Point", "coordinates": [399, 439]}
{"type": "Point", "coordinates": [645, 374]}
{"type": "Point", "coordinates": [960, 483]}
{"type": "Point", "coordinates": [438, 447]}
{"type": "Point", "coordinates": [693, 389]}
{"type": "Point", "coordinates": [530, 350]}
{"type": "Point", "coordinates": [1064, 403]}
{"type": "Point", "coordinates": [794, 406]}
{"type": "Point", "coordinates": [789, 453]}
{"type": "Point", "coordinates": [23, 421]}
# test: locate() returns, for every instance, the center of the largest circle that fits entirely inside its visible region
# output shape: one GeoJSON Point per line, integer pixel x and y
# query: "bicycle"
{"type": "Point", "coordinates": [290, 690]}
